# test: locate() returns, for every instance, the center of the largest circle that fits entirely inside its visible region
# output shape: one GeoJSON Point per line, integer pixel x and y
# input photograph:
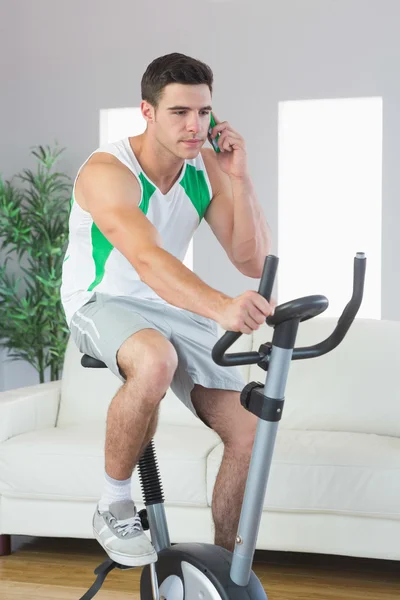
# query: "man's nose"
{"type": "Point", "coordinates": [193, 124]}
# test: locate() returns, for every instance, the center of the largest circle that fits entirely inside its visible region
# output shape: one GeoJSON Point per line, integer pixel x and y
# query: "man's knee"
{"type": "Point", "coordinates": [243, 442]}
{"type": "Point", "coordinates": [148, 359]}
{"type": "Point", "coordinates": [241, 433]}
{"type": "Point", "coordinates": [222, 411]}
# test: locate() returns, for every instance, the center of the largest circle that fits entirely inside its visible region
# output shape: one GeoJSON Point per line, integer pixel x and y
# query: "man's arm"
{"type": "Point", "coordinates": [235, 215]}
{"type": "Point", "coordinates": [112, 195]}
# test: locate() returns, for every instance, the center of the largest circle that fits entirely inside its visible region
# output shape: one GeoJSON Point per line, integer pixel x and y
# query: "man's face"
{"type": "Point", "coordinates": [182, 119]}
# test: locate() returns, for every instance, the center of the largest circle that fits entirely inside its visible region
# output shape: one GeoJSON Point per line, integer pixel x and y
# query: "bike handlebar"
{"type": "Point", "coordinates": [230, 337]}
{"type": "Point", "coordinates": [345, 319]}
{"type": "Point", "coordinates": [265, 289]}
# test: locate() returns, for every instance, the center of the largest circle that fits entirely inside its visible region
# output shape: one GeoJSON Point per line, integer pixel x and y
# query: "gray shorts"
{"type": "Point", "coordinates": [102, 325]}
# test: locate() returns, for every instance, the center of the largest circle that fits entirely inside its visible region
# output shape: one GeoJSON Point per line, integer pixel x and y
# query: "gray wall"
{"type": "Point", "coordinates": [61, 62]}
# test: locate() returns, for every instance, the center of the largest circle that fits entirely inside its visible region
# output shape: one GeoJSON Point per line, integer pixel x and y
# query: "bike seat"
{"type": "Point", "coordinates": [92, 363]}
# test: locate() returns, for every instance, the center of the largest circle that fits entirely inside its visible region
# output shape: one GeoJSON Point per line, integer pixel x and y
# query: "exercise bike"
{"type": "Point", "coordinates": [193, 571]}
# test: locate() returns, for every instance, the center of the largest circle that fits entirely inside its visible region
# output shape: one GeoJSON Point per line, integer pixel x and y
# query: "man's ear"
{"type": "Point", "coordinates": [148, 111]}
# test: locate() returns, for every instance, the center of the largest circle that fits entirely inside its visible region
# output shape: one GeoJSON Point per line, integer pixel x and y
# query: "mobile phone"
{"type": "Point", "coordinates": [213, 141]}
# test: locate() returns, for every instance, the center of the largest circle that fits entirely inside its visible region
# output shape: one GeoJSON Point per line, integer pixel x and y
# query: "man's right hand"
{"type": "Point", "coordinates": [245, 313]}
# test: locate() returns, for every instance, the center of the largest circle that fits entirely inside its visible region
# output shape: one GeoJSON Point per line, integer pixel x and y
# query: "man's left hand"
{"type": "Point", "coordinates": [233, 158]}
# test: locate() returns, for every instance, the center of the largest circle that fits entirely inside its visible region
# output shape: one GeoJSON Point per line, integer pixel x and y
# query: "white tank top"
{"type": "Point", "coordinates": [92, 264]}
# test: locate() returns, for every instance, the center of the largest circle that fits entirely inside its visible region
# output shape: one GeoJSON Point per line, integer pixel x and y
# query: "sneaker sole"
{"type": "Point", "coordinates": [128, 561]}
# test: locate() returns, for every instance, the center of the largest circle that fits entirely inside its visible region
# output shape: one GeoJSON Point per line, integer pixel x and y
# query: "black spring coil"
{"type": "Point", "coordinates": [149, 475]}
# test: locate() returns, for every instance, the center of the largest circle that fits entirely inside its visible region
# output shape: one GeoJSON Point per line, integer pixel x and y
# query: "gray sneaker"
{"type": "Point", "coordinates": [119, 531]}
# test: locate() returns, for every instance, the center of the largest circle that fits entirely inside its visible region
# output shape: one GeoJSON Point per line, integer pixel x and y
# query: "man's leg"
{"type": "Point", "coordinates": [222, 411]}
{"type": "Point", "coordinates": [151, 430]}
{"type": "Point", "coordinates": [147, 361]}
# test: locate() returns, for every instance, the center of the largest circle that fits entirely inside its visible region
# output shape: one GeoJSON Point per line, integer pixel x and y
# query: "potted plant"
{"type": "Point", "coordinates": [33, 237]}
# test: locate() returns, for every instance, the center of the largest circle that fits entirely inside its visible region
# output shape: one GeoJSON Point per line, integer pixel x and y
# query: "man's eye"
{"type": "Point", "coordinates": [179, 112]}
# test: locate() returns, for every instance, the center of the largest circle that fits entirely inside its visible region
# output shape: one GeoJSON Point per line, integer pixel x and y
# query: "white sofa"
{"type": "Point", "coordinates": [335, 481]}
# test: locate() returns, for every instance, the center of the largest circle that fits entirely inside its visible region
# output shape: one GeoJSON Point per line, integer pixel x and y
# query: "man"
{"type": "Point", "coordinates": [131, 302]}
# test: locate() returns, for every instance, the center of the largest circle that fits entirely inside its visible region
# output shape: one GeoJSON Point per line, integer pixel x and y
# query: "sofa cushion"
{"type": "Point", "coordinates": [353, 388]}
{"type": "Point", "coordinates": [85, 393]}
{"type": "Point", "coordinates": [67, 463]}
{"type": "Point", "coordinates": [329, 472]}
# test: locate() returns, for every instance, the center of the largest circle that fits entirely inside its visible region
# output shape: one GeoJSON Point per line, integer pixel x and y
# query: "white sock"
{"type": "Point", "coordinates": [114, 491]}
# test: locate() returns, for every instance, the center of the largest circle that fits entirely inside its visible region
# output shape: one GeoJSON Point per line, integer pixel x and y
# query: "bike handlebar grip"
{"type": "Point", "coordinates": [230, 337]}
{"type": "Point", "coordinates": [346, 318]}
{"type": "Point", "coordinates": [352, 307]}
{"type": "Point", "coordinates": [268, 276]}
{"type": "Point", "coordinates": [225, 342]}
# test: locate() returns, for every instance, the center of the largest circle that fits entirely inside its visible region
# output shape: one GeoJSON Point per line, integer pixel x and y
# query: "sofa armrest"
{"type": "Point", "coordinates": [29, 409]}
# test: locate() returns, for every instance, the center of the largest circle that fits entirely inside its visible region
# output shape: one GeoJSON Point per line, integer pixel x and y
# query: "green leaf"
{"type": "Point", "coordinates": [34, 216]}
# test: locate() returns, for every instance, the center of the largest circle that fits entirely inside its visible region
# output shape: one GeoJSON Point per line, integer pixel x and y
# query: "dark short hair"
{"type": "Point", "coordinates": [173, 68]}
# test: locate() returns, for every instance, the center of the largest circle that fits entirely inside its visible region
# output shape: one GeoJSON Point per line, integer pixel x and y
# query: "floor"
{"type": "Point", "coordinates": [43, 568]}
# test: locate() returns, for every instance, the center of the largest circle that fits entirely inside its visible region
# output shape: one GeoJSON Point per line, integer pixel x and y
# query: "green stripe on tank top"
{"type": "Point", "coordinates": [195, 185]}
{"type": "Point", "coordinates": [102, 248]}
{"type": "Point", "coordinates": [148, 191]}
